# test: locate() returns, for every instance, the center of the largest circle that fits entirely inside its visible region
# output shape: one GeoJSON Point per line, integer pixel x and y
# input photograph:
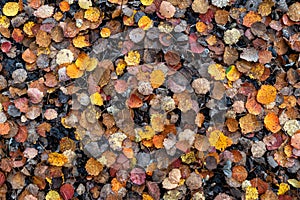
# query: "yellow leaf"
{"type": "Point", "coordinates": [146, 2]}
{"type": "Point", "coordinates": [81, 41]}
{"type": "Point", "coordinates": [92, 14]}
{"type": "Point", "coordinates": [4, 22]}
{"type": "Point", "coordinates": [11, 9]}
{"type": "Point", "coordinates": [232, 73]}
{"type": "Point", "coordinates": [295, 183]}
{"type": "Point", "coordinates": [82, 61]}
{"type": "Point", "coordinates": [105, 32]}
{"type": "Point", "coordinates": [147, 134]}
{"type": "Point", "coordinates": [96, 99]}
{"type": "Point", "coordinates": [53, 195]}
{"type": "Point", "coordinates": [132, 58]}
{"type": "Point", "coordinates": [120, 67]}
{"type": "Point", "coordinates": [57, 159]}
{"type": "Point", "coordinates": [283, 188]}
{"type": "Point", "coordinates": [251, 193]}
{"type": "Point", "coordinates": [219, 140]}
{"type": "Point", "coordinates": [92, 64]}
{"type": "Point", "coordinates": [145, 22]}
{"type": "Point", "coordinates": [73, 71]}
{"type": "Point", "coordinates": [157, 78]}
{"type": "Point", "coordinates": [216, 71]}
{"type": "Point", "coordinates": [27, 28]}
{"type": "Point", "coordinates": [85, 4]}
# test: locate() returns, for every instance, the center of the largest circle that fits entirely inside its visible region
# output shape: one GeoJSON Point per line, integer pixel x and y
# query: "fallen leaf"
{"type": "Point", "coordinates": [219, 140]}
{"type": "Point", "coordinates": [271, 122]}
{"type": "Point", "coordinates": [10, 9]}
{"type": "Point", "coordinates": [166, 9]}
{"type": "Point", "coordinates": [266, 94]}
{"type": "Point", "coordinates": [157, 78]}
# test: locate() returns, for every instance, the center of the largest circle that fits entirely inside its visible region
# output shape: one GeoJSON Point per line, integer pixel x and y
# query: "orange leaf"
{"type": "Point", "coordinates": [4, 128]}
{"type": "Point", "coordinates": [266, 94]}
{"type": "Point", "coordinates": [250, 18]}
{"type": "Point", "coordinates": [28, 56]}
{"type": "Point", "coordinates": [271, 122]}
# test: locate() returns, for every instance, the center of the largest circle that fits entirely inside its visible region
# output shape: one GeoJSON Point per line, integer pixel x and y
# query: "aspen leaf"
{"type": "Point", "coordinates": [283, 188]}
{"type": "Point", "coordinates": [96, 99]}
{"type": "Point", "coordinates": [216, 71]}
{"type": "Point", "coordinates": [105, 32]}
{"type": "Point", "coordinates": [147, 2]}
{"type": "Point", "coordinates": [81, 41]}
{"type": "Point", "coordinates": [266, 94]}
{"type": "Point", "coordinates": [53, 195]}
{"type": "Point", "coordinates": [166, 9]}
{"type": "Point", "coordinates": [250, 18]}
{"type": "Point", "coordinates": [219, 140]}
{"type": "Point", "coordinates": [157, 78]}
{"type": "Point", "coordinates": [145, 22]}
{"type": "Point", "coordinates": [11, 9]}
{"type": "Point", "coordinates": [132, 58]}
{"type": "Point", "coordinates": [92, 14]}
{"type": "Point", "coordinates": [232, 73]}
{"type": "Point", "coordinates": [57, 159]}
{"type": "Point", "coordinates": [294, 182]}
{"type": "Point", "coordinates": [73, 71]}
{"type": "Point", "coordinates": [93, 167]}
{"type": "Point", "coordinates": [271, 122]}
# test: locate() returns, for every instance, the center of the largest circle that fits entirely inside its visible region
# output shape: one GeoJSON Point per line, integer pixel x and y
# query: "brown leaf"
{"type": "Point", "coordinates": [28, 56]}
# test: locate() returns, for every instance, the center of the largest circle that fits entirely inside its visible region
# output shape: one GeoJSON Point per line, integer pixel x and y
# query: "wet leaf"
{"type": "Point", "coordinates": [73, 71]}
{"type": "Point", "coordinates": [239, 173]}
{"type": "Point", "coordinates": [66, 191]}
{"type": "Point", "coordinates": [295, 141]}
{"type": "Point", "coordinates": [93, 167]}
{"type": "Point", "coordinates": [146, 2]}
{"type": "Point", "coordinates": [200, 6]}
{"type": "Point", "coordinates": [283, 188]}
{"type": "Point", "coordinates": [251, 193]}
{"type": "Point", "coordinates": [293, 12]}
{"type": "Point", "coordinates": [4, 128]}
{"type": "Point", "coordinates": [232, 74]}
